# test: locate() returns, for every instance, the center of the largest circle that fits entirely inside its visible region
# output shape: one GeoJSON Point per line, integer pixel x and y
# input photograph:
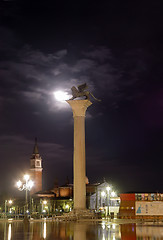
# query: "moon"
{"type": "Point", "coordinates": [61, 96]}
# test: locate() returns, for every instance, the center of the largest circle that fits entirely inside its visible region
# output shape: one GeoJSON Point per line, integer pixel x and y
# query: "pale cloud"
{"type": "Point", "coordinates": [31, 96]}
{"type": "Point", "coordinates": [101, 53]}
{"type": "Point", "coordinates": [17, 145]}
{"type": "Point", "coordinates": [83, 65]}
{"type": "Point", "coordinates": [88, 115]}
{"type": "Point", "coordinates": [60, 54]}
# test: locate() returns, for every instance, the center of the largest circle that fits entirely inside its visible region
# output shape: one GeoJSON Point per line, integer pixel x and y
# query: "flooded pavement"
{"type": "Point", "coordinates": [83, 230]}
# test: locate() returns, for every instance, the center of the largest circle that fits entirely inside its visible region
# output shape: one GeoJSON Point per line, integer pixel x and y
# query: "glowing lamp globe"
{"type": "Point", "coordinates": [113, 194]}
{"type": "Point", "coordinates": [30, 184]}
{"type": "Point", "coordinates": [26, 177]}
{"type": "Point", "coordinates": [103, 194]}
{"type": "Point", "coordinates": [19, 184]}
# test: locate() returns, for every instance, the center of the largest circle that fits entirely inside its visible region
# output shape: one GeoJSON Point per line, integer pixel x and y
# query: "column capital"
{"type": "Point", "coordinates": [79, 107]}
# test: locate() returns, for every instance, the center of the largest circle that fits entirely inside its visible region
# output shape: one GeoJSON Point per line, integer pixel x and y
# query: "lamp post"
{"type": "Point", "coordinates": [108, 191]}
{"type": "Point", "coordinates": [103, 194]}
{"type": "Point", "coordinates": [27, 187]}
{"type": "Point", "coordinates": [7, 201]}
{"type": "Point", "coordinates": [26, 177]}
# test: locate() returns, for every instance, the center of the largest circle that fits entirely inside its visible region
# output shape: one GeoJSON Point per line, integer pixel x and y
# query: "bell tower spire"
{"type": "Point", "coordinates": [35, 149]}
{"type": "Point", "coordinates": [36, 169]}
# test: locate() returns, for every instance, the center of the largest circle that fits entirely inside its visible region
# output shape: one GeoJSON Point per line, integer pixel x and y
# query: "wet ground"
{"type": "Point", "coordinates": [105, 229]}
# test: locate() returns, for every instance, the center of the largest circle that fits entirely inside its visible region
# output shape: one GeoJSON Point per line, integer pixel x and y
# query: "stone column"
{"type": "Point", "coordinates": [79, 108]}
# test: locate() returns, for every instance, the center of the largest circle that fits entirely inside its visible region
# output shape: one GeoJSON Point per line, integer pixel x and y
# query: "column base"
{"type": "Point", "coordinates": [26, 219]}
{"type": "Point", "coordinates": [80, 214]}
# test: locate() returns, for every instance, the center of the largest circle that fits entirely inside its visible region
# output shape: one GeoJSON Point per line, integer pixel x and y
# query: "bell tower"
{"type": "Point", "coordinates": [36, 169]}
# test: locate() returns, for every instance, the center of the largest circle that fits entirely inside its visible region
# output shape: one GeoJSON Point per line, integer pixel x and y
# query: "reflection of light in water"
{"type": "Point", "coordinates": [44, 231]}
{"type": "Point", "coordinates": [103, 237]}
{"type": "Point", "coordinates": [119, 233]}
{"type": "Point", "coordinates": [114, 236]}
{"type": "Point", "coordinates": [103, 225]}
{"type": "Point", "coordinates": [113, 226]}
{"type": "Point", "coordinates": [9, 231]}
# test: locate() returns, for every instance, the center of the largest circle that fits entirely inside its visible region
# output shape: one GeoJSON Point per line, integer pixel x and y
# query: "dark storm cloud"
{"type": "Point", "coordinates": [35, 75]}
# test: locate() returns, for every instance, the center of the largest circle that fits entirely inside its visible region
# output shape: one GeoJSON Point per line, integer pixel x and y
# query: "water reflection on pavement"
{"type": "Point", "coordinates": [79, 231]}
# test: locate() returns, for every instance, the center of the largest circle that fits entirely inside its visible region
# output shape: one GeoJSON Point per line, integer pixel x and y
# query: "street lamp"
{"type": "Point", "coordinates": [44, 206]}
{"type": "Point", "coordinates": [25, 186]}
{"type": "Point", "coordinates": [113, 194]}
{"type": "Point", "coordinates": [9, 202]}
{"type": "Point", "coordinates": [108, 189]}
{"type": "Point", "coordinates": [103, 194]}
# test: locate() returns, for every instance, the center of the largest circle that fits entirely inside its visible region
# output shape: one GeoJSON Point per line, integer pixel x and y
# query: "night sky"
{"type": "Point", "coordinates": [116, 47]}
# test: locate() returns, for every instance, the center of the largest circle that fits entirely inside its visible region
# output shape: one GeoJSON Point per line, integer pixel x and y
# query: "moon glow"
{"type": "Point", "coordinates": [61, 96]}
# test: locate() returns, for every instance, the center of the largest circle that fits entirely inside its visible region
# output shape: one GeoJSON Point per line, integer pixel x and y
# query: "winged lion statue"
{"type": "Point", "coordinates": [80, 92]}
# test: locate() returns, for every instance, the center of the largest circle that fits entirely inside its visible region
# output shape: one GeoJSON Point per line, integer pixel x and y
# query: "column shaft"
{"type": "Point", "coordinates": [79, 163]}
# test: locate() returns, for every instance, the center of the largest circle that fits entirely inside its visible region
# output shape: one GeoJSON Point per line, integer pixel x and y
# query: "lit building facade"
{"type": "Point", "coordinates": [105, 199]}
{"type": "Point", "coordinates": [138, 205]}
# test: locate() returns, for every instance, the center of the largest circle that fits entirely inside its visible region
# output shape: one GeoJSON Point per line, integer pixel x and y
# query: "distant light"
{"type": "Point", "coordinates": [103, 194]}
{"type": "Point", "coordinates": [10, 201]}
{"type": "Point", "coordinates": [113, 194]}
{"type": "Point", "coordinates": [108, 188]}
{"type": "Point", "coordinates": [44, 202]}
{"type": "Point", "coordinates": [61, 96]}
